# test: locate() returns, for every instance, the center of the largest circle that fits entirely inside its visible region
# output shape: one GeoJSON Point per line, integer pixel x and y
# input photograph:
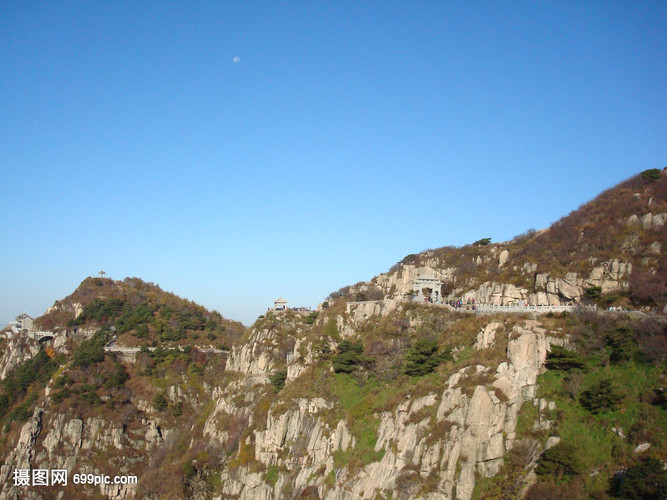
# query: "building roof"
{"type": "Point", "coordinates": [280, 300]}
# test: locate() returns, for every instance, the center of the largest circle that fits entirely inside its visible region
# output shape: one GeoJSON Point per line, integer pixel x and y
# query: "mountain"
{"type": "Point", "coordinates": [547, 382]}
{"type": "Point", "coordinates": [140, 313]}
{"type": "Point", "coordinates": [609, 251]}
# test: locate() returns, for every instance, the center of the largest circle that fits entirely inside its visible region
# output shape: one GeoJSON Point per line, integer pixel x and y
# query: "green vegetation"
{"type": "Point", "coordinates": [278, 380]}
{"type": "Point", "coordinates": [593, 292]}
{"type": "Point", "coordinates": [652, 174]}
{"type": "Point", "coordinates": [272, 474]}
{"type": "Point", "coordinates": [136, 310]}
{"type": "Point", "coordinates": [482, 242]}
{"type": "Point", "coordinates": [644, 480]}
{"type": "Point", "coordinates": [620, 344]}
{"type": "Point", "coordinates": [160, 402]}
{"type": "Point", "coordinates": [424, 357]}
{"type": "Point", "coordinates": [560, 461]}
{"type": "Point", "coordinates": [563, 359]}
{"type": "Point", "coordinates": [21, 386]}
{"type": "Point", "coordinates": [158, 362]}
{"type": "Point", "coordinates": [357, 403]}
{"type": "Point", "coordinates": [349, 356]}
{"type": "Point", "coordinates": [101, 311]}
{"type": "Point", "coordinates": [90, 351]}
{"type": "Point", "coordinates": [601, 397]}
{"type": "Point", "coordinates": [611, 381]}
{"type": "Point", "coordinates": [310, 319]}
{"type": "Point", "coordinates": [409, 259]}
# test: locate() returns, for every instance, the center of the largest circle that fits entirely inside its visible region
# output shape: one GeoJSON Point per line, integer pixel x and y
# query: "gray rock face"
{"type": "Point", "coordinates": [399, 283]}
{"type": "Point", "coordinates": [19, 349]}
{"type": "Point", "coordinates": [648, 222]}
{"type": "Point", "coordinates": [496, 294]}
{"type": "Point", "coordinates": [362, 311]}
{"type": "Point", "coordinates": [457, 435]}
{"type": "Point", "coordinates": [23, 453]}
{"type": "Point", "coordinates": [55, 441]}
{"type": "Point", "coordinates": [611, 276]}
{"type": "Point", "coordinates": [486, 336]}
{"type": "Point", "coordinates": [253, 358]}
{"type": "Point", "coordinates": [503, 257]}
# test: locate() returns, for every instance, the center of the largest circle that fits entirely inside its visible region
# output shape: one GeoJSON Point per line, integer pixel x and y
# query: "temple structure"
{"type": "Point", "coordinates": [280, 304]}
{"type": "Point", "coordinates": [427, 289]}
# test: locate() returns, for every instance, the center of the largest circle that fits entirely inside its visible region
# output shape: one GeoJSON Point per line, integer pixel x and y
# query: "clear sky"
{"type": "Point", "coordinates": [346, 135]}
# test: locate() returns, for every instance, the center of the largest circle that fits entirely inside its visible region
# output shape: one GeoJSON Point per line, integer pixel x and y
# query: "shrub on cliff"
{"type": "Point", "coordinates": [91, 351]}
{"type": "Point", "coordinates": [647, 479]}
{"type": "Point", "coordinates": [424, 357]}
{"type": "Point", "coordinates": [600, 397]}
{"type": "Point", "coordinates": [563, 359]}
{"type": "Point", "coordinates": [652, 174]}
{"type": "Point", "coordinates": [278, 380]}
{"type": "Point", "coordinates": [560, 461]}
{"type": "Point", "coordinates": [348, 357]}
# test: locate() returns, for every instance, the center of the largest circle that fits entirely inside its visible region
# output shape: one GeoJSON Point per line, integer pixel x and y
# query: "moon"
{"type": "Point", "coordinates": [236, 59]}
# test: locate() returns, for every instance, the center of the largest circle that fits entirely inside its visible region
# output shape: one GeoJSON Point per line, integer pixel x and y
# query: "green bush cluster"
{"type": "Point", "coordinates": [560, 461]}
{"type": "Point", "coordinates": [349, 356]}
{"type": "Point", "coordinates": [620, 344]}
{"type": "Point", "coordinates": [600, 397]}
{"type": "Point", "coordinates": [15, 403]}
{"type": "Point", "coordinates": [424, 357]}
{"type": "Point", "coordinates": [90, 351]}
{"type": "Point", "coordinates": [482, 242]}
{"type": "Point", "coordinates": [160, 402]}
{"type": "Point", "coordinates": [560, 358]}
{"type": "Point", "coordinates": [652, 174]}
{"type": "Point", "coordinates": [169, 322]}
{"type": "Point", "coordinates": [100, 310]}
{"type": "Point", "coordinates": [91, 379]}
{"type": "Point", "coordinates": [136, 318]}
{"type": "Point", "coordinates": [160, 360]}
{"type": "Point", "coordinates": [310, 319]}
{"type": "Point", "coordinates": [644, 480]}
{"type": "Point", "coordinates": [278, 380]}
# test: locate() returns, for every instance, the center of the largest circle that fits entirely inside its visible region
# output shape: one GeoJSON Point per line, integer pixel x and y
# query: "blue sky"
{"type": "Point", "coordinates": [347, 135]}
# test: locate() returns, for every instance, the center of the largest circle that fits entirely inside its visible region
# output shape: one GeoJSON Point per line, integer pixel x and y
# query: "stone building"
{"type": "Point", "coordinates": [427, 289]}
{"type": "Point", "coordinates": [280, 304]}
{"type": "Point", "coordinates": [21, 322]}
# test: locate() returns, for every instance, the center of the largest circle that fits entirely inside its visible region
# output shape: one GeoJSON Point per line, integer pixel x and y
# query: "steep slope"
{"type": "Point", "coordinates": [86, 400]}
{"type": "Point", "coordinates": [417, 401]}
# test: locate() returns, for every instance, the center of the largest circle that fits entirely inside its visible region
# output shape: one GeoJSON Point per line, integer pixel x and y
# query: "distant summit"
{"type": "Point", "coordinates": [139, 313]}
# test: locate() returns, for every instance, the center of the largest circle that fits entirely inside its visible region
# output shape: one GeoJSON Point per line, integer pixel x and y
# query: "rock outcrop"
{"type": "Point", "coordinates": [19, 348]}
{"type": "Point", "coordinates": [454, 436]}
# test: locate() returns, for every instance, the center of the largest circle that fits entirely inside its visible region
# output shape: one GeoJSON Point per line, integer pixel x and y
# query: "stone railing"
{"type": "Point", "coordinates": [505, 308]}
{"type": "Point", "coordinates": [519, 308]}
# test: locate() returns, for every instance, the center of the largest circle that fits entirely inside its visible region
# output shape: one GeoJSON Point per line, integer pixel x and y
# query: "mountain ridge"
{"type": "Point", "coordinates": [375, 395]}
{"type": "Point", "coordinates": [598, 245]}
